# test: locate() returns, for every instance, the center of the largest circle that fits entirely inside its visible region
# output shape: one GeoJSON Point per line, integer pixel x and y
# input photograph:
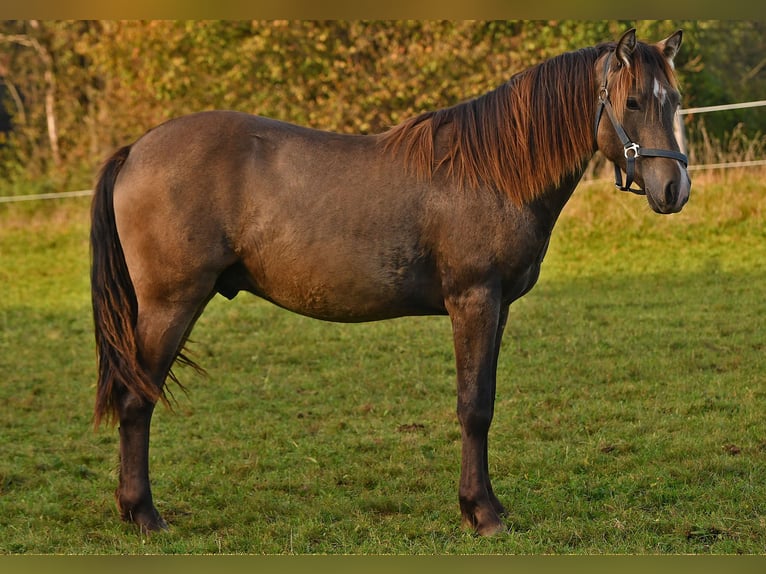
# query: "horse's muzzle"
{"type": "Point", "coordinates": [670, 196]}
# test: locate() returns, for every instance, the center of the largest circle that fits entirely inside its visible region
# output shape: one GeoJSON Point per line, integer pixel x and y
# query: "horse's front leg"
{"type": "Point", "coordinates": [499, 508]}
{"type": "Point", "coordinates": [477, 318]}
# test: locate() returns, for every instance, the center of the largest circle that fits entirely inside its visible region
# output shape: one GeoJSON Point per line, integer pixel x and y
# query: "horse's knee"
{"type": "Point", "coordinates": [475, 419]}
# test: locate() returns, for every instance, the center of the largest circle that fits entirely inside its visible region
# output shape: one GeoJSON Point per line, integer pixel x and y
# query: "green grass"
{"type": "Point", "coordinates": [629, 413]}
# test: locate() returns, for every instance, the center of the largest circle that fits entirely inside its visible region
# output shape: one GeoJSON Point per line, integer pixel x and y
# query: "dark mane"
{"type": "Point", "coordinates": [523, 137]}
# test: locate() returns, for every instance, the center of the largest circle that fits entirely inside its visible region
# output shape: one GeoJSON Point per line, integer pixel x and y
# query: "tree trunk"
{"type": "Point", "coordinates": [50, 88]}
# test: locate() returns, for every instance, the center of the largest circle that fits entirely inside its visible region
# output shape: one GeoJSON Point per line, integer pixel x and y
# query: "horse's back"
{"type": "Point", "coordinates": [226, 151]}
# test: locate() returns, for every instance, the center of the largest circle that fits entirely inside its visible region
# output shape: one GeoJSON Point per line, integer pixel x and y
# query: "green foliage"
{"type": "Point", "coordinates": [721, 63]}
{"type": "Point", "coordinates": [628, 420]}
{"type": "Point", "coordinates": [113, 80]}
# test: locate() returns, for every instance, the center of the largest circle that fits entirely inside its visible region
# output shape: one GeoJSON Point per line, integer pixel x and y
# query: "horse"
{"type": "Point", "coordinates": [448, 213]}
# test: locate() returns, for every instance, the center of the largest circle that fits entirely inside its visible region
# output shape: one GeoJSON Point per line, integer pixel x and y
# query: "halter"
{"type": "Point", "coordinates": [632, 150]}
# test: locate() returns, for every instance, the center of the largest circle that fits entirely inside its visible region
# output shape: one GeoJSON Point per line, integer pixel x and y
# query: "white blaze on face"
{"type": "Point", "coordinates": [659, 91]}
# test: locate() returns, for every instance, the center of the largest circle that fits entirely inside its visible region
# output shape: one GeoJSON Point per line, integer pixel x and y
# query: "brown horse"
{"type": "Point", "coordinates": [448, 213]}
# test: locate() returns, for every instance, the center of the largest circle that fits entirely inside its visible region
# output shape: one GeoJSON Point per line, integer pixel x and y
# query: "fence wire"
{"type": "Point", "coordinates": [55, 195]}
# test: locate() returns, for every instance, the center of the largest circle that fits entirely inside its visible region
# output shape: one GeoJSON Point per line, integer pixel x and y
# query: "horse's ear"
{"type": "Point", "coordinates": [625, 47]}
{"type": "Point", "coordinates": [670, 45]}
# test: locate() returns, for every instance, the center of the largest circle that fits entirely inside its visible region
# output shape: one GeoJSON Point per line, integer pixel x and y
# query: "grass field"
{"type": "Point", "coordinates": [629, 414]}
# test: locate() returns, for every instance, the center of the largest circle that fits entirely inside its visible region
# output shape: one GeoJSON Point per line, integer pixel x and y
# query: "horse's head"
{"type": "Point", "coordinates": [639, 94]}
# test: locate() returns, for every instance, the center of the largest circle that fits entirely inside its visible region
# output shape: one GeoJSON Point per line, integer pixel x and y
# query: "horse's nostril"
{"type": "Point", "coordinates": [671, 192]}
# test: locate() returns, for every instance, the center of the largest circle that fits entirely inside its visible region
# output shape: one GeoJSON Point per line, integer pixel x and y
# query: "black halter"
{"type": "Point", "coordinates": [632, 150]}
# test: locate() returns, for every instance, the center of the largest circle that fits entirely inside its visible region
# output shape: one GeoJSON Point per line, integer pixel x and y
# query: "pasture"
{"type": "Point", "coordinates": [629, 415]}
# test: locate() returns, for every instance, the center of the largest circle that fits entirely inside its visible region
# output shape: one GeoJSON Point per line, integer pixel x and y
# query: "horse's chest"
{"type": "Point", "coordinates": [524, 269]}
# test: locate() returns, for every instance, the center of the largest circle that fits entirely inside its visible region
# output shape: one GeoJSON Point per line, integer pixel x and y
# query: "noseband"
{"type": "Point", "coordinates": [632, 150]}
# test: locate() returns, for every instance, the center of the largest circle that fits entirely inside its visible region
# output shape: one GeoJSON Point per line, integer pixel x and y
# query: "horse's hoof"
{"type": "Point", "coordinates": [491, 529]}
{"type": "Point", "coordinates": [157, 524]}
{"type": "Point", "coordinates": [488, 525]}
{"type": "Point", "coordinates": [147, 521]}
{"type": "Point", "coordinates": [499, 508]}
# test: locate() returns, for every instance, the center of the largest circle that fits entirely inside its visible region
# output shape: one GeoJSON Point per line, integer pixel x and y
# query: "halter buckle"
{"type": "Point", "coordinates": [631, 147]}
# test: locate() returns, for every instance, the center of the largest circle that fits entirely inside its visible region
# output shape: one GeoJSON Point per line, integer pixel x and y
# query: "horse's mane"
{"type": "Point", "coordinates": [528, 134]}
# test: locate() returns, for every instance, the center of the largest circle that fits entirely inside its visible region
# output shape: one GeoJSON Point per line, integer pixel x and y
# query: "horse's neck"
{"type": "Point", "coordinates": [549, 205]}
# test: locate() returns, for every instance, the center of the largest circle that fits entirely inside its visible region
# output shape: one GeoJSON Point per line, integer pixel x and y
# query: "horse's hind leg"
{"type": "Point", "coordinates": [133, 494]}
{"type": "Point", "coordinates": [161, 331]}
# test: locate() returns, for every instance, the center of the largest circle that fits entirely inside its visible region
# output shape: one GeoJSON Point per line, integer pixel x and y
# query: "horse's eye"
{"type": "Point", "coordinates": [633, 104]}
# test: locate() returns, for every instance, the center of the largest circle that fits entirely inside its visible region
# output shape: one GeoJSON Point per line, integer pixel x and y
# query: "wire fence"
{"type": "Point", "coordinates": [723, 107]}
{"type": "Point", "coordinates": [55, 195]}
{"type": "Point", "coordinates": [679, 129]}
{"type": "Point", "coordinates": [681, 134]}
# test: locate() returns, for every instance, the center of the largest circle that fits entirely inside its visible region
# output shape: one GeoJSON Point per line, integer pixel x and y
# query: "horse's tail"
{"type": "Point", "coordinates": [115, 308]}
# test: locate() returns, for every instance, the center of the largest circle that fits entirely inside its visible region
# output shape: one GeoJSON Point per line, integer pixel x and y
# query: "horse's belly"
{"type": "Point", "coordinates": [334, 286]}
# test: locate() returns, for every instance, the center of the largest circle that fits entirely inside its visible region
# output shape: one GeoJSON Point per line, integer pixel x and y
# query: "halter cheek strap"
{"type": "Point", "coordinates": [631, 149]}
